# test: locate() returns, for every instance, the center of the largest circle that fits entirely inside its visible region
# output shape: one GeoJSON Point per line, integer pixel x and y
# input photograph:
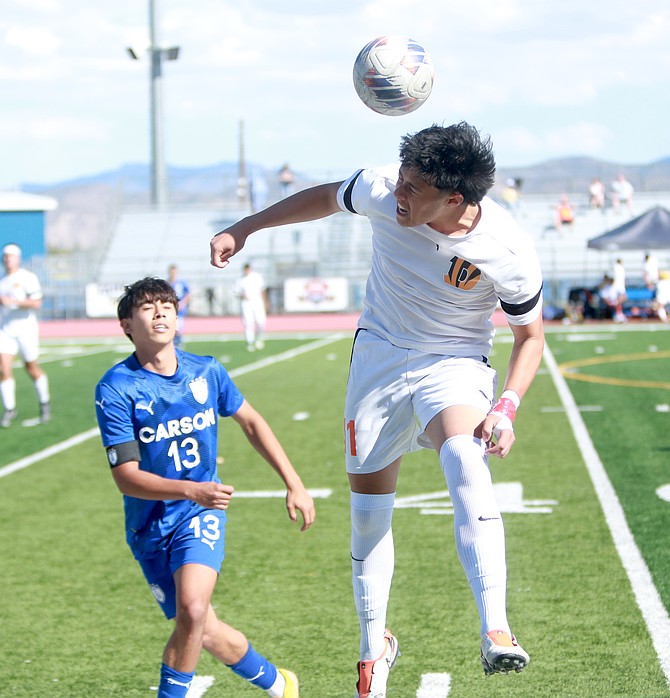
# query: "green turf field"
{"type": "Point", "coordinates": [77, 620]}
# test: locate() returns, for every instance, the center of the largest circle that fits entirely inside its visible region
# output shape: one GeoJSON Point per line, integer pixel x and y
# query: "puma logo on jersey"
{"type": "Point", "coordinates": [462, 274]}
{"type": "Point", "coordinates": [149, 408]}
{"type": "Point", "coordinates": [101, 404]}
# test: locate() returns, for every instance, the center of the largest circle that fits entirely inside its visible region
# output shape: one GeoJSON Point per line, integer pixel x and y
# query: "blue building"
{"type": "Point", "coordinates": [22, 220]}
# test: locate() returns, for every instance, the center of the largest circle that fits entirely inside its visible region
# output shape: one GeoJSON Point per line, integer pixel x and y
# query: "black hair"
{"type": "Point", "coordinates": [455, 159]}
{"type": "Point", "coordinates": [148, 289]}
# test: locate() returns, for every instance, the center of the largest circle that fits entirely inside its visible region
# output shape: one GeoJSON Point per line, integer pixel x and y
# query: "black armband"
{"type": "Point", "coordinates": [122, 453]}
{"type": "Point", "coordinates": [348, 193]}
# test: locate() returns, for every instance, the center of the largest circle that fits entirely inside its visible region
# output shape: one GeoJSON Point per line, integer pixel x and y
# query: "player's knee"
{"type": "Point", "coordinates": [371, 520]}
{"type": "Point", "coordinates": [192, 613]}
{"type": "Point", "coordinates": [462, 458]}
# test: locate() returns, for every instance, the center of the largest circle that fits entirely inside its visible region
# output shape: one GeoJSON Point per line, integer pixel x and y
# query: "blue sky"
{"type": "Point", "coordinates": [545, 80]}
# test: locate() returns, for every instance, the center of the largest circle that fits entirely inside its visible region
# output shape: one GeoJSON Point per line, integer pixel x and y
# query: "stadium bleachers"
{"type": "Point", "coordinates": [146, 242]}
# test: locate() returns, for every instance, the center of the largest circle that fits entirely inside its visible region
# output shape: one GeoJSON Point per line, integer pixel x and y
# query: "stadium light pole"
{"type": "Point", "coordinates": [157, 55]}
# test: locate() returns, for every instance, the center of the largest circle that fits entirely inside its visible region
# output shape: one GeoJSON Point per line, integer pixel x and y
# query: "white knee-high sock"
{"type": "Point", "coordinates": [372, 561]}
{"type": "Point", "coordinates": [8, 393]}
{"type": "Point", "coordinates": [478, 527]}
{"type": "Point", "coordinates": [42, 388]}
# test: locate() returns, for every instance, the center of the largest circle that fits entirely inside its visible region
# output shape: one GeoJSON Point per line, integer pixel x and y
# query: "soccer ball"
{"type": "Point", "coordinates": [393, 75]}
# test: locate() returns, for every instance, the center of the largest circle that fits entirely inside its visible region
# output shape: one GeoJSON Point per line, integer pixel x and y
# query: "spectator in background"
{"type": "Point", "coordinates": [619, 277]}
{"type": "Point", "coordinates": [210, 294]}
{"type": "Point", "coordinates": [511, 197]}
{"type": "Point", "coordinates": [650, 273]}
{"type": "Point", "coordinates": [662, 297]}
{"type": "Point", "coordinates": [184, 296]}
{"type": "Point", "coordinates": [252, 292]}
{"type": "Point", "coordinates": [565, 213]}
{"type": "Point", "coordinates": [619, 284]}
{"type": "Point", "coordinates": [622, 194]}
{"type": "Point", "coordinates": [597, 194]}
{"type": "Point", "coordinates": [20, 297]}
{"type": "Point", "coordinates": [611, 300]}
{"type": "Point", "coordinates": [286, 180]}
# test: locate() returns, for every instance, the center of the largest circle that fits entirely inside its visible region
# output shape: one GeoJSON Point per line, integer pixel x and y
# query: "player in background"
{"type": "Point", "coordinates": [20, 297]}
{"type": "Point", "coordinates": [251, 289]}
{"type": "Point", "coordinates": [184, 296]}
{"type": "Point", "coordinates": [444, 255]}
{"type": "Point", "coordinates": [157, 411]}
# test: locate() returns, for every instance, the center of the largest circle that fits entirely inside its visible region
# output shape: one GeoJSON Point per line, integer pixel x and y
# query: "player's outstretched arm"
{"type": "Point", "coordinates": [138, 483]}
{"type": "Point", "coordinates": [307, 205]}
{"type": "Point", "coordinates": [262, 438]}
{"type": "Point", "coordinates": [523, 364]}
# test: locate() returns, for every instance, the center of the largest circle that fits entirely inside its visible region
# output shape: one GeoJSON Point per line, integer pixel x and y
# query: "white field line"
{"type": "Point", "coordinates": [48, 452]}
{"type": "Point", "coordinates": [199, 686]}
{"type": "Point", "coordinates": [434, 686]}
{"type": "Point", "coordinates": [289, 354]}
{"type": "Point", "coordinates": [90, 433]}
{"type": "Point", "coordinates": [653, 611]}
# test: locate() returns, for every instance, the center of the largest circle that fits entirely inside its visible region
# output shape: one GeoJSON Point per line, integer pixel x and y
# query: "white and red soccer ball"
{"type": "Point", "coordinates": [393, 75]}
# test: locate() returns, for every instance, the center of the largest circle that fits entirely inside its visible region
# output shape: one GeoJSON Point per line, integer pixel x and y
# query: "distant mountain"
{"type": "Point", "coordinates": [89, 206]}
{"type": "Point", "coordinates": [573, 175]}
{"type": "Point", "coordinates": [133, 182]}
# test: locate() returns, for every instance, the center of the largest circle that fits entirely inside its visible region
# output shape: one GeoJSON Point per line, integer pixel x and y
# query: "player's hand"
{"type": "Point", "coordinates": [300, 500]}
{"type": "Point", "coordinates": [503, 435]}
{"type": "Point", "coordinates": [212, 495]}
{"type": "Point", "coordinates": [499, 424]}
{"type": "Point", "coordinates": [225, 244]}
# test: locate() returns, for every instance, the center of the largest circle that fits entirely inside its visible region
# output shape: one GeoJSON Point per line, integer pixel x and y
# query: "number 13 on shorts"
{"type": "Point", "coordinates": [206, 530]}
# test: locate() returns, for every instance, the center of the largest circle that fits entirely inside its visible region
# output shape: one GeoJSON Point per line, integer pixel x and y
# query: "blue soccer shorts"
{"type": "Point", "coordinates": [196, 540]}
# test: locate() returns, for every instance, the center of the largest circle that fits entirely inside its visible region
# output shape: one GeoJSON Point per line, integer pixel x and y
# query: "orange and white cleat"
{"type": "Point", "coordinates": [501, 653]}
{"type": "Point", "coordinates": [373, 675]}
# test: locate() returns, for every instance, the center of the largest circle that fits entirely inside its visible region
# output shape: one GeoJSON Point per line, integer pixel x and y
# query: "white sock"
{"type": "Point", "coordinates": [8, 392]}
{"type": "Point", "coordinates": [372, 562]}
{"type": "Point", "coordinates": [42, 388]}
{"type": "Point", "coordinates": [277, 688]}
{"type": "Point", "coordinates": [478, 527]}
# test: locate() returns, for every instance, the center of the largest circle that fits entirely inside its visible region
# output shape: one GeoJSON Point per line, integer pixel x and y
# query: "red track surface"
{"type": "Point", "coordinates": [316, 322]}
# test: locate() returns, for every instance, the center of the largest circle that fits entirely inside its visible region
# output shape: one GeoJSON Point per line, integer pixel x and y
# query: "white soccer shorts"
{"type": "Point", "coordinates": [393, 393]}
{"type": "Point", "coordinates": [23, 339]}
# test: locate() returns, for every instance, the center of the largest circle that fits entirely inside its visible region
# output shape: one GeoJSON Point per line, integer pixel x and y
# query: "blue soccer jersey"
{"type": "Point", "coordinates": [182, 290]}
{"type": "Point", "coordinates": [173, 421]}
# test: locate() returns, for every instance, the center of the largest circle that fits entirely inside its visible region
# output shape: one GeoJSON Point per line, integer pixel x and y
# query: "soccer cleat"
{"type": "Point", "coordinates": [291, 690]}
{"type": "Point", "coordinates": [45, 412]}
{"type": "Point", "coordinates": [373, 675]}
{"type": "Point", "coordinates": [7, 418]}
{"type": "Point", "coordinates": [501, 653]}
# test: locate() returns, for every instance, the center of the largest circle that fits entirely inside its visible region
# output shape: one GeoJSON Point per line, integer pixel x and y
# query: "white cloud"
{"type": "Point", "coordinates": [36, 41]}
{"type": "Point", "coordinates": [48, 128]}
{"type": "Point", "coordinates": [545, 79]}
{"type": "Point", "coordinates": [517, 145]}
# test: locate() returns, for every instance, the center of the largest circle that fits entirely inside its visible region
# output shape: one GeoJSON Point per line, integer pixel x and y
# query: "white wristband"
{"type": "Point", "coordinates": [504, 424]}
{"type": "Point", "coordinates": [511, 395]}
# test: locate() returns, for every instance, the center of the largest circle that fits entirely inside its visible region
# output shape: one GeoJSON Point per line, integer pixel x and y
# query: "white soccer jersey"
{"type": "Point", "coordinates": [250, 288]}
{"type": "Point", "coordinates": [436, 293]}
{"type": "Point", "coordinates": [19, 285]}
